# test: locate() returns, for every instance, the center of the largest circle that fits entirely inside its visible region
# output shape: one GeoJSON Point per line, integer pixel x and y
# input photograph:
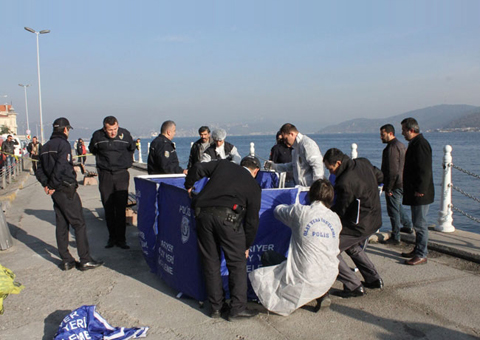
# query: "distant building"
{"type": "Point", "coordinates": [8, 117]}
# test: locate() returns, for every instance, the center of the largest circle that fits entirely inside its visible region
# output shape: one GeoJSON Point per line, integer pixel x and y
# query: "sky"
{"type": "Point", "coordinates": [310, 63]}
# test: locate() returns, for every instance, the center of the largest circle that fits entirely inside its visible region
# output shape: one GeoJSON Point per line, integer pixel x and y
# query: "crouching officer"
{"type": "Point", "coordinates": [56, 174]}
{"type": "Point", "coordinates": [230, 197]}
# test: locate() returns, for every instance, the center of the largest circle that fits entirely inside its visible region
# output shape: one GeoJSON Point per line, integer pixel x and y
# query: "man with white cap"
{"type": "Point", "coordinates": [220, 149]}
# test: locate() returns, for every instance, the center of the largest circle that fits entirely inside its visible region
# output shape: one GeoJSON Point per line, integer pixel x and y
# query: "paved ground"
{"type": "Point", "coordinates": [439, 300]}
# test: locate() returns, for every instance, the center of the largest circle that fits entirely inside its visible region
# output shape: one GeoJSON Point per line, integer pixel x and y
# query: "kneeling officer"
{"type": "Point", "coordinates": [56, 174]}
{"type": "Point", "coordinates": [231, 196]}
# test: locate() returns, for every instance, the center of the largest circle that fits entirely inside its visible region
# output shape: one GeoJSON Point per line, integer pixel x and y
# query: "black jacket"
{"type": "Point", "coordinates": [112, 154]}
{"type": "Point", "coordinates": [30, 149]}
{"type": "Point", "coordinates": [213, 154]}
{"type": "Point", "coordinates": [229, 184]}
{"type": "Point", "coordinates": [55, 168]}
{"type": "Point", "coordinates": [162, 157]}
{"type": "Point", "coordinates": [393, 159]}
{"type": "Point", "coordinates": [195, 153]}
{"type": "Point", "coordinates": [417, 173]}
{"type": "Point", "coordinates": [357, 200]}
{"type": "Point", "coordinates": [280, 153]}
{"type": "Point", "coordinates": [9, 147]}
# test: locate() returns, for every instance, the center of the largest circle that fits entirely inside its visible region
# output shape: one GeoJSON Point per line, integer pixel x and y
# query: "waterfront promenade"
{"type": "Point", "coordinates": [439, 300]}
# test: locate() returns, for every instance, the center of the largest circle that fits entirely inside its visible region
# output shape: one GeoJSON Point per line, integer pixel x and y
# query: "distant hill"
{"type": "Point", "coordinates": [469, 120]}
{"type": "Point", "coordinates": [430, 118]}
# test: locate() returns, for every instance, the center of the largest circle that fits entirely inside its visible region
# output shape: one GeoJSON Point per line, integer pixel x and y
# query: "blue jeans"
{"type": "Point", "coordinates": [10, 163]}
{"type": "Point", "coordinates": [396, 212]}
{"type": "Point", "coordinates": [419, 214]}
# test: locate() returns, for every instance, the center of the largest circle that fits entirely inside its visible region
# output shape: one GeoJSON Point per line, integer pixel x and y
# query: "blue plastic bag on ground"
{"type": "Point", "coordinates": [85, 323]}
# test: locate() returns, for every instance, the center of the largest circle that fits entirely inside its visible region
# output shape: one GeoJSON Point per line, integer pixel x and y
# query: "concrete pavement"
{"type": "Point", "coordinates": [439, 300]}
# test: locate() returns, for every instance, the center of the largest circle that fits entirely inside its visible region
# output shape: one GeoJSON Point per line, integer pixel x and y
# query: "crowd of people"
{"type": "Point", "coordinates": [344, 209]}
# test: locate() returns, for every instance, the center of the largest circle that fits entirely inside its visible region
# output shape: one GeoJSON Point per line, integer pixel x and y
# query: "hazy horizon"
{"type": "Point", "coordinates": [312, 63]}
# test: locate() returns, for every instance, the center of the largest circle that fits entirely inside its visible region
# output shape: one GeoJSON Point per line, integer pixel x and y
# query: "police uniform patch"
{"type": "Point", "coordinates": [120, 136]}
{"type": "Point", "coordinates": [167, 154]}
{"type": "Point", "coordinates": [69, 157]}
{"type": "Point", "coordinates": [185, 229]}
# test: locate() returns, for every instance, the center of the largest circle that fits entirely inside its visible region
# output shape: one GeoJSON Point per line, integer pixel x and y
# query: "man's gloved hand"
{"type": "Point", "coordinates": [269, 165]}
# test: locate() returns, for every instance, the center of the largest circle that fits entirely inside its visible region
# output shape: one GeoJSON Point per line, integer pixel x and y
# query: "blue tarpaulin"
{"type": "Point", "coordinates": [168, 232]}
{"type": "Point", "coordinates": [85, 323]}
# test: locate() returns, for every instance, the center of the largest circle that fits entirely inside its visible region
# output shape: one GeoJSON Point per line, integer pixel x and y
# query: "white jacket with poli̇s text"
{"type": "Point", "coordinates": [311, 267]}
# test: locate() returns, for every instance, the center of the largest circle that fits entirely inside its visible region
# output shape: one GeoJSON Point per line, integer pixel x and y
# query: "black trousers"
{"type": "Point", "coordinates": [213, 234]}
{"type": "Point", "coordinates": [353, 246]}
{"type": "Point", "coordinates": [113, 187]}
{"type": "Point", "coordinates": [68, 212]}
{"type": "Point", "coordinates": [34, 163]}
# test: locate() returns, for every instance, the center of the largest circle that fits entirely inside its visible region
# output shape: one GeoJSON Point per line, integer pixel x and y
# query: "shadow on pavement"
{"type": "Point", "coordinates": [457, 240]}
{"type": "Point", "coordinates": [44, 215]}
{"type": "Point", "coordinates": [128, 262]}
{"type": "Point", "coordinates": [387, 253]}
{"type": "Point", "coordinates": [411, 330]}
{"type": "Point", "coordinates": [52, 322]}
{"type": "Point", "coordinates": [43, 249]}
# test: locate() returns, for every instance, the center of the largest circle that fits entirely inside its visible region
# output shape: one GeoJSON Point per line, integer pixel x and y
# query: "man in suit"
{"type": "Point", "coordinates": [418, 189]}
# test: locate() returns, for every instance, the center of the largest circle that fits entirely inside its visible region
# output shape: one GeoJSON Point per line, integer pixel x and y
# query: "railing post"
{"type": "Point", "coordinates": [10, 172]}
{"type": "Point", "coordinates": [5, 236]}
{"type": "Point", "coordinates": [445, 217]}
{"type": "Point", "coordinates": [252, 149]}
{"type": "Point", "coordinates": [140, 160]}
{"type": "Point", "coordinates": [4, 177]}
{"type": "Point", "coordinates": [354, 151]}
{"type": "Point", "coordinates": [148, 149]}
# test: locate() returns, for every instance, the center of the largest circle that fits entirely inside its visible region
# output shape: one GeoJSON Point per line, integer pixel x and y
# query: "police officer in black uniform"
{"type": "Point", "coordinates": [230, 197]}
{"type": "Point", "coordinates": [162, 157]}
{"type": "Point", "coordinates": [113, 148]}
{"type": "Point", "coordinates": [56, 174]}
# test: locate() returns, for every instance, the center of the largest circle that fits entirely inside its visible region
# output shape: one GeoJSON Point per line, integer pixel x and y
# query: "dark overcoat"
{"type": "Point", "coordinates": [417, 173]}
{"type": "Point", "coordinates": [357, 200]}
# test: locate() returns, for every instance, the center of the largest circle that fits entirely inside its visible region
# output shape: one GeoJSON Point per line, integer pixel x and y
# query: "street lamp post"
{"type": "Point", "coordinates": [26, 106]}
{"type": "Point", "coordinates": [39, 83]}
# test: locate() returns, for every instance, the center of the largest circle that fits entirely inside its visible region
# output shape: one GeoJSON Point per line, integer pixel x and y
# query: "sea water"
{"type": "Point", "coordinates": [466, 155]}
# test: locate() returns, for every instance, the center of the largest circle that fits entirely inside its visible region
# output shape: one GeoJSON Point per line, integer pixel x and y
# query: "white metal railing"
{"type": "Point", "coordinates": [445, 215]}
{"type": "Point", "coordinates": [10, 171]}
{"type": "Point", "coordinates": [445, 218]}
